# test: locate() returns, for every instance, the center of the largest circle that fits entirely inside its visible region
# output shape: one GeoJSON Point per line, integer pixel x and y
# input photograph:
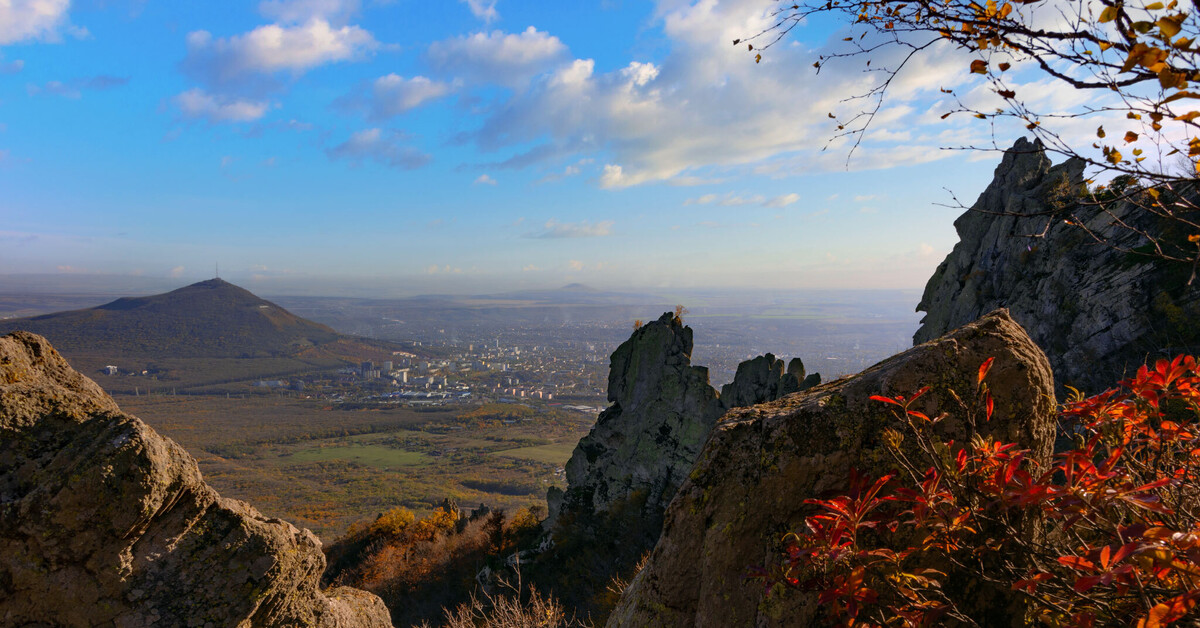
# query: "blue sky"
{"type": "Point", "coordinates": [468, 146]}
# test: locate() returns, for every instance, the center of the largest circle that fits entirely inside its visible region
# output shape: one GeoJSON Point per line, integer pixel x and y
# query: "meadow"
{"type": "Point", "coordinates": [323, 467]}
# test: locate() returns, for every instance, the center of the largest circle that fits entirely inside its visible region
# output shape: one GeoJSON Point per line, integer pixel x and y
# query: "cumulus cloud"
{"type": "Point", "coordinates": [704, 107]}
{"type": "Point", "coordinates": [555, 229]}
{"type": "Point", "coordinates": [483, 9]}
{"type": "Point", "coordinates": [273, 48]}
{"type": "Point", "coordinates": [24, 20]}
{"type": "Point", "coordinates": [197, 104]}
{"type": "Point", "coordinates": [484, 179]}
{"type": "Point", "coordinates": [391, 95]}
{"type": "Point", "coordinates": [497, 57]}
{"type": "Point", "coordinates": [176, 272]}
{"type": "Point", "coordinates": [75, 88]}
{"type": "Point", "coordinates": [388, 148]}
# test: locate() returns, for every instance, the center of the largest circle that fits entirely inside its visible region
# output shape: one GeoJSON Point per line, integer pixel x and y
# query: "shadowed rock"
{"type": "Point", "coordinates": [1097, 310]}
{"type": "Point", "coordinates": [748, 487]}
{"type": "Point", "coordinates": [105, 523]}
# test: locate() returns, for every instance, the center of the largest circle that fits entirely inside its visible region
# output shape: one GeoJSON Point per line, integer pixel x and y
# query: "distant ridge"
{"type": "Point", "coordinates": [212, 318]}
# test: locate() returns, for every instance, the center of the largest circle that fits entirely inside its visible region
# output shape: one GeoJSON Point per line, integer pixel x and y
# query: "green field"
{"type": "Point", "coordinates": [372, 455]}
{"type": "Point", "coordinates": [556, 453]}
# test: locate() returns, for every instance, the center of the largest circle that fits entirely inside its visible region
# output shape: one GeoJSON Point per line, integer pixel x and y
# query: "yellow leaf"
{"type": "Point", "coordinates": [1004, 67]}
{"type": "Point", "coordinates": [1133, 116]}
{"type": "Point", "coordinates": [979, 66]}
{"type": "Point", "coordinates": [1130, 136]}
{"type": "Point", "coordinates": [1100, 132]}
{"type": "Point", "coordinates": [1194, 238]}
{"type": "Point", "coordinates": [1104, 45]}
{"type": "Point", "coordinates": [1171, 25]}
{"type": "Point", "coordinates": [757, 58]}
{"type": "Point", "coordinates": [1154, 6]}
{"type": "Point", "coordinates": [1114, 157]}
{"type": "Point", "coordinates": [1108, 14]}
{"type": "Point", "coordinates": [1137, 151]}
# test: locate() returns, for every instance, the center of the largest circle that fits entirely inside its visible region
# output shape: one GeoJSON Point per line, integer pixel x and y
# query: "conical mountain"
{"type": "Point", "coordinates": [211, 319]}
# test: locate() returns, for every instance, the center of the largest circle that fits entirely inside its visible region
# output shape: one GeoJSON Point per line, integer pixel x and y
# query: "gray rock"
{"type": "Point", "coordinates": [748, 487]}
{"type": "Point", "coordinates": [105, 523]}
{"type": "Point", "coordinates": [1098, 312]}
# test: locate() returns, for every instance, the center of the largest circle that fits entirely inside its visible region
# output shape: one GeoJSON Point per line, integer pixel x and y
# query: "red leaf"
{"type": "Point", "coordinates": [990, 406]}
{"type": "Point", "coordinates": [886, 400]}
{"type": "Point", "coordinates": [983, 370]}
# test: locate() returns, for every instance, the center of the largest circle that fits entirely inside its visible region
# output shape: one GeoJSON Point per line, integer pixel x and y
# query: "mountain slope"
{"type": "Point", "coordinates": [211, 319]}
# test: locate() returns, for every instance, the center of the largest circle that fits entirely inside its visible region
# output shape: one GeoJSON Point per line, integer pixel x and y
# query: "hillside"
{"type": "Point", "coordinates": [206, 333]}
{"type": "Point", "coordinates": [212, 318]}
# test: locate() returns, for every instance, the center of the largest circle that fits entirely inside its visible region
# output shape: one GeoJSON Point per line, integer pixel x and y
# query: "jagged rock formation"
{"type": "Point", "coordinates": [105, 523]}
{"type": "Point", "coordinates": [662, 411]}
{"type": "Point", "coordinates": [1098, 313]}
{"type": "Point", "coordinates": [763, 379]}
{"type": "Point", "coordinates": [747, 489]}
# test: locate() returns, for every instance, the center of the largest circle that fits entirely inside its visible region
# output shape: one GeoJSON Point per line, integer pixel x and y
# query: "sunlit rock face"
{"type": "Point", "coordinates": [1098, 309]}
{"type": "Point", "coordinates": [103, 522]}
{"type": "Point", "coordinates": [748, 486]}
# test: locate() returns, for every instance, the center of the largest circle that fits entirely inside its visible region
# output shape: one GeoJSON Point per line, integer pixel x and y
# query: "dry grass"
{"type": "Point", "coordinates": [505, 611]}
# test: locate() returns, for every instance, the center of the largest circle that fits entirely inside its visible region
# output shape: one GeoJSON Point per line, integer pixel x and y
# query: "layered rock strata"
{"type": "Point", "coordinates": [748, 487]}
{"type": "Point", "coordinates": [103, 522]}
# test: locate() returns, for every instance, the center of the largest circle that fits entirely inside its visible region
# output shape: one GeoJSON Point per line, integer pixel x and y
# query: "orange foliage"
{"type": "Point", "coordinates": [1116, 537]}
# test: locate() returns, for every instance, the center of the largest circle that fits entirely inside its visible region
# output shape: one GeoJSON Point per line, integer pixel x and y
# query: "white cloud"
{"type": "Point", "coordinates": [391, 95]}
{"type": "Point", "coordinates": [554, 229]}
{"type": "Point", "coordinates": [575, 265]}
{"type": "Point", "coordinates": [176, 272]}
{"type": "Point", "coordinates": [483, 9]}
{"type": "Point", "coordinates": [484, 179]}
{"type": "Point", "coordinates": [704, 107]}
{"type": "Point", "coordinates": [498, 57]}
{"type": "Point", "coordinates": [196, 104]}
{"type": "Point", "coordinates": [702, 200]}
{"type": "Point", "coordinates": [23, 20]}
{"type": "Point", "coordinates": [296, 11]}
{"type": "Point", "coordinates": [273, 48]}
{"type": "Point", "coordinates": [528, 268]}
{"type": "Point", "coordinates": [388, 148]}
{"type": "Point", "coordinates": [12, 67]}
{"type": "Point", "coordinates": [783, 201]}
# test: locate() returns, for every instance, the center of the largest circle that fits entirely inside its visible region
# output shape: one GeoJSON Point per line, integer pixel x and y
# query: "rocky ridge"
{"type": "Point", "coordinates": [105, 522]}
{"type": "Point", "coordinates": [1098, 312]}
{"type": "Point", "coordinates": [747, 489]}
{"type": "Point", "coordinates": [662, 412]}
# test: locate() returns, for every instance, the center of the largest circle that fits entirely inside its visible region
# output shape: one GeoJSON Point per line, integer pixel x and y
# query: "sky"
{"type": "Point", "coordinates": [466, 146]}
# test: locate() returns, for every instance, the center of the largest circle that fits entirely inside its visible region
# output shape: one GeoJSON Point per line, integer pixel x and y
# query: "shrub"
{"type": "Point", "coordinates": [1109, 534]}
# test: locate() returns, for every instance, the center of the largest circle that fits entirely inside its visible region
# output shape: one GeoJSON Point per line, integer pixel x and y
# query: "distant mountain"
{"type": "Point", "coordinates": [212, 319]}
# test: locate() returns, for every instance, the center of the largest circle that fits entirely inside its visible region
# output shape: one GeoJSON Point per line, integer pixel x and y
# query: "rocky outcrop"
{"type": "Point", "coordinates": [1097, 311]}
{"type": "Point", "coordinates": [105, 523]}
{"type": "Point", "coordinates": [748, 487]}
{"type": "Point", "coordinates": [662, 411]}
{"type": "Point", "coordinates": [763, 379]}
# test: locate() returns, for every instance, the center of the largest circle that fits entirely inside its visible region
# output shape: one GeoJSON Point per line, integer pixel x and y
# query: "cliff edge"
{"type": "Point", "coordinates": [1098, 310]}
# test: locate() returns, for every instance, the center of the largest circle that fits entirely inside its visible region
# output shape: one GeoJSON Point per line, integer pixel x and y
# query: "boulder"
{"type": "Point", "coordinates": [748, 487]}
{"type": "Point", "coordinates": [103, 522]}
